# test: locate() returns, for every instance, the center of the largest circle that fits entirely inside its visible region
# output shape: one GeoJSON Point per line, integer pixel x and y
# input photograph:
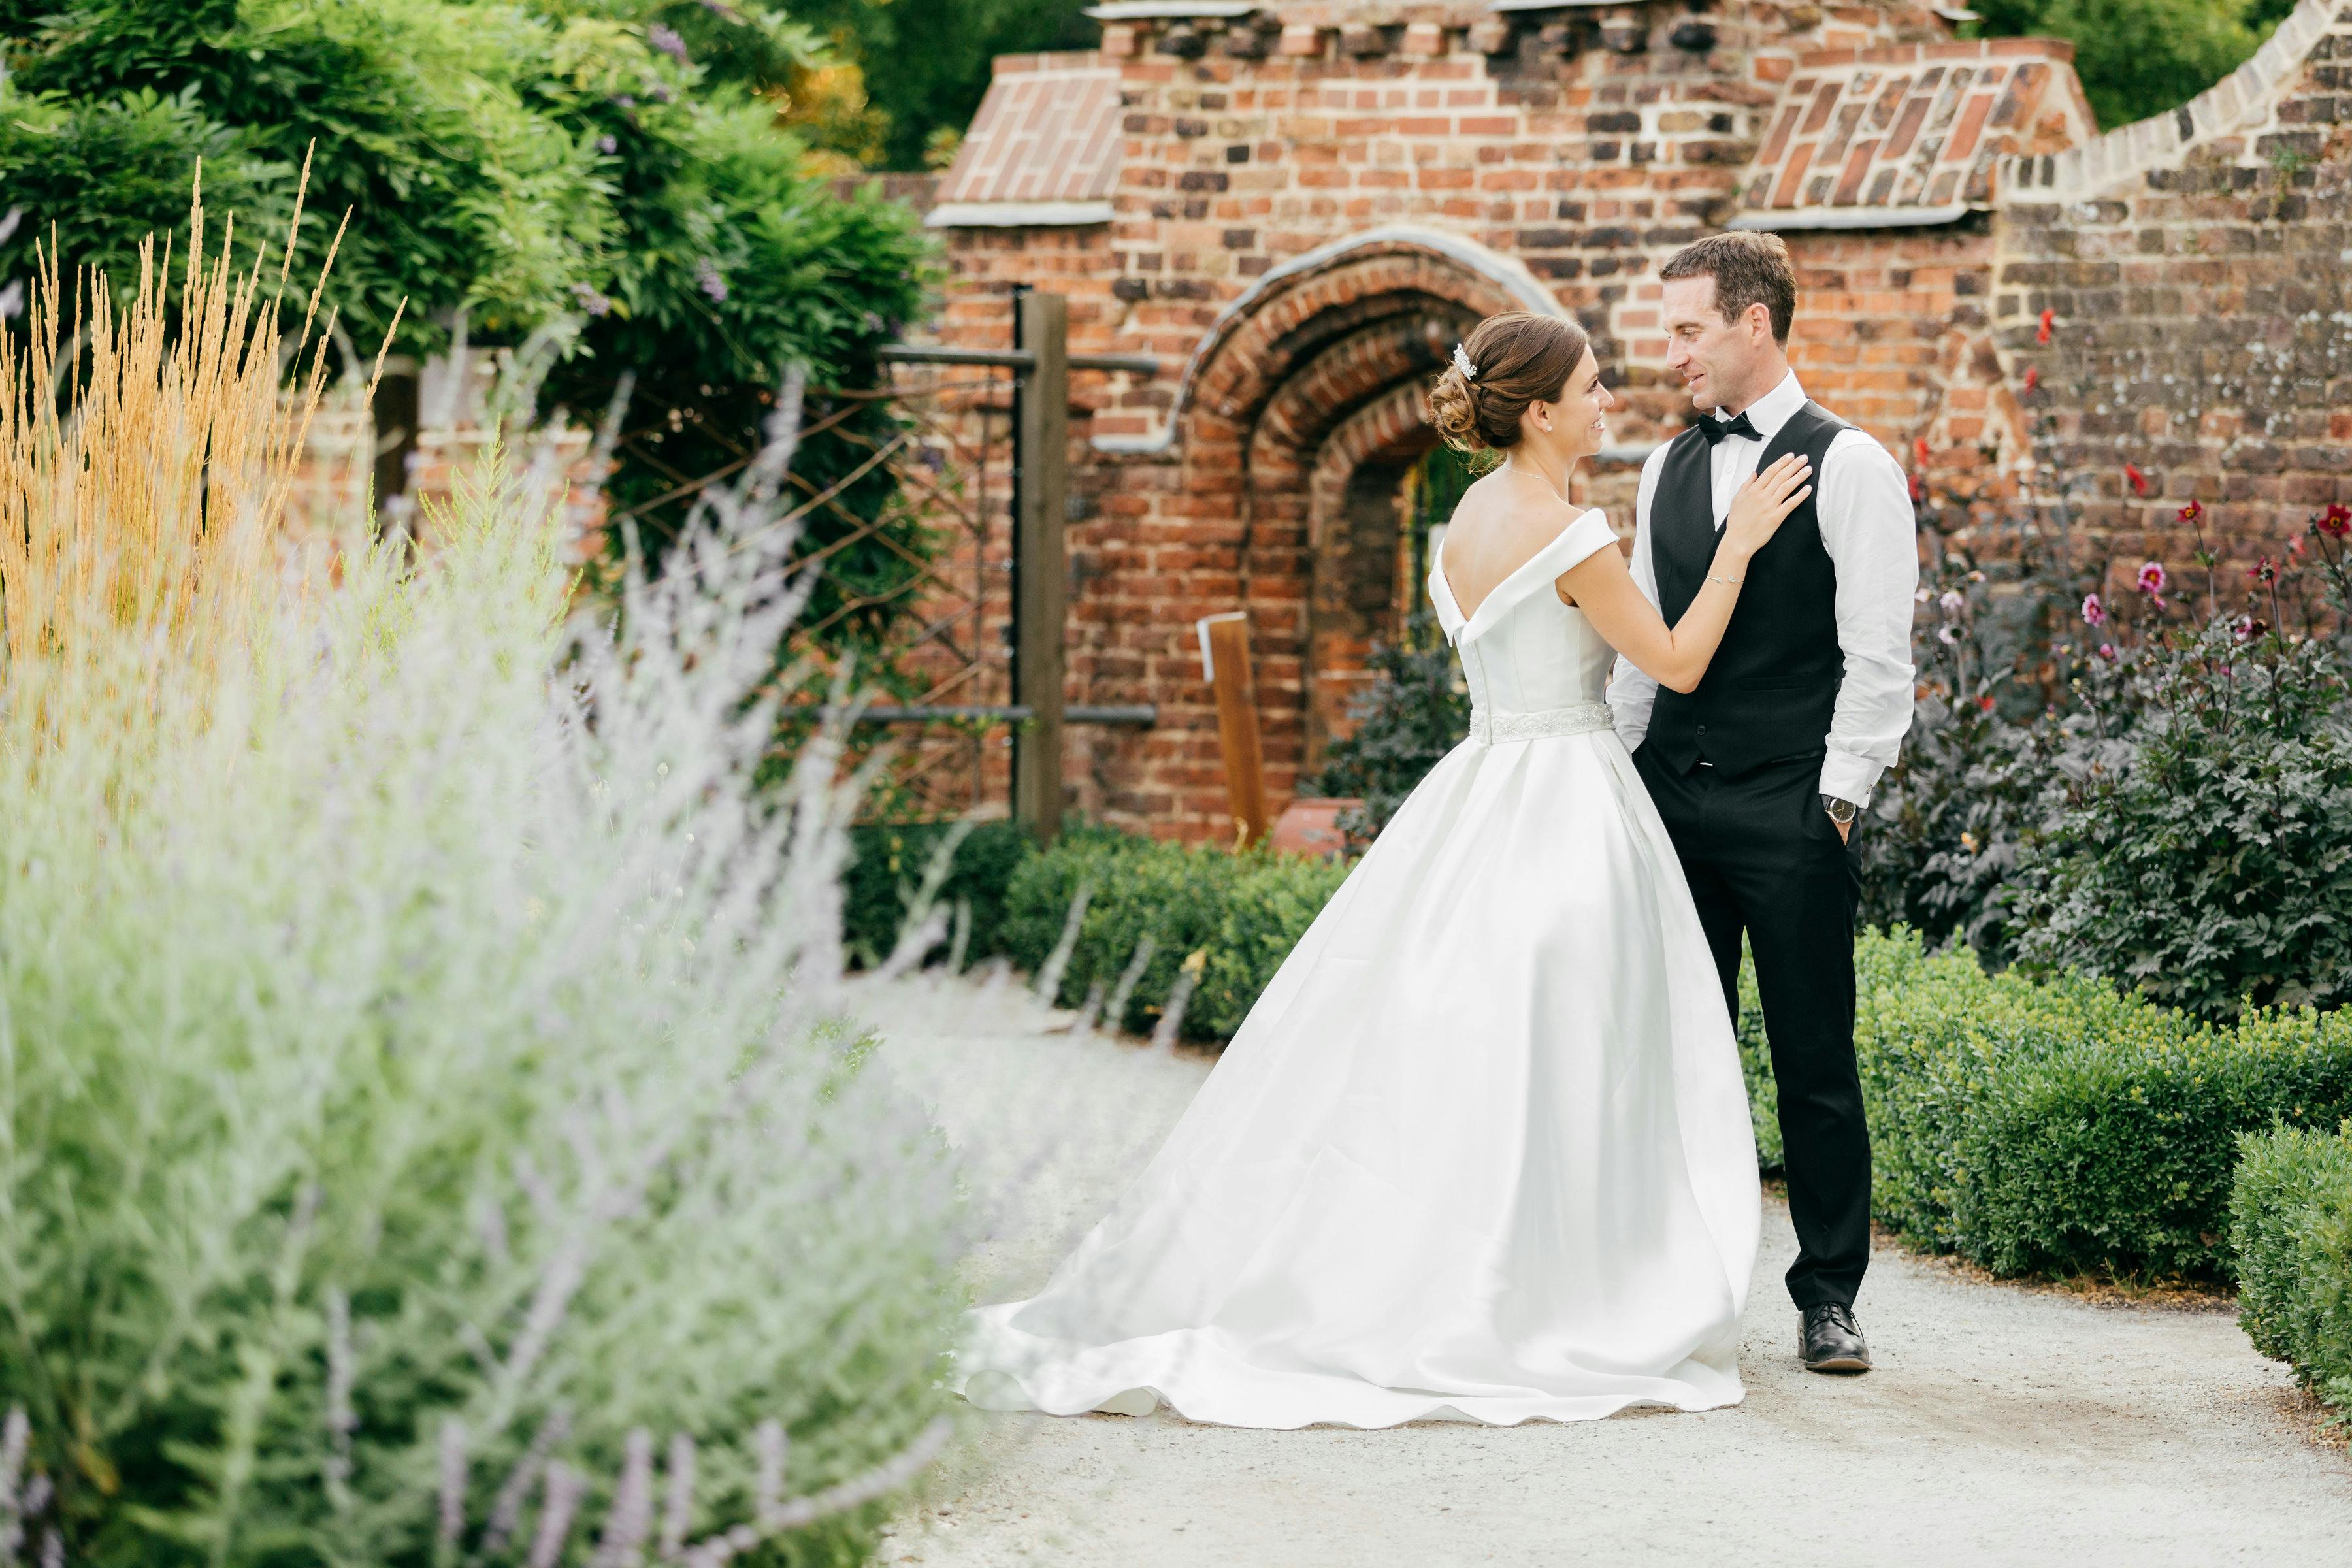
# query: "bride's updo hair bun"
{"type": "Point", "coordinates": [1520, 358]}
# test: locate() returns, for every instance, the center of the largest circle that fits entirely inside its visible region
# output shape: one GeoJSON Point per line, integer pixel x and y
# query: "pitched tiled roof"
{"type": "Point", "coordinates": [1910, 134]}
{"type": "Point", "coordinates": [1047, 134]}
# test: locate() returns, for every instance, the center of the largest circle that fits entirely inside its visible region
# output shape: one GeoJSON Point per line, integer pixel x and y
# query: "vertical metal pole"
{"type": "Point", "coordinates": [1040, 570]}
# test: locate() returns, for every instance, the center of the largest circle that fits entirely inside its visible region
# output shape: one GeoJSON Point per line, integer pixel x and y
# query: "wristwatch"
{"type": "Point", "coordinates": [1841, 811]}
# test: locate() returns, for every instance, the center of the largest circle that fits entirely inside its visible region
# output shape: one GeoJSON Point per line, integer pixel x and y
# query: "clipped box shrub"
{"type": "Point", "coordinates": [1175, 893]}
{"type": "Point", "coordinates": [1268, 907]}
{"type": "Point", "coordinates": [2118, 1150]}
{"type": "Point", "coordinates": [886, 865]}
{"type": "Point", "coordinates": [1242, 912]}
{"type": "Point", "coordinates": [2290, 1233]}
{"type": "Point", "coordinates": [1756, 1066]}
{"type": "Point", "coordinates": [2058, 1126]}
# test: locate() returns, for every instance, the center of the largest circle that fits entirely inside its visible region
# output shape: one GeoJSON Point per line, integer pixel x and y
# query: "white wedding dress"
{"type": "Point", "coordinates": [1481, 1150]}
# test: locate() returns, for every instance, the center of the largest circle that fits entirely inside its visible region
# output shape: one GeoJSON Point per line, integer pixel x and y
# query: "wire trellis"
{"type": "Point", "coordinates": [946, 450]}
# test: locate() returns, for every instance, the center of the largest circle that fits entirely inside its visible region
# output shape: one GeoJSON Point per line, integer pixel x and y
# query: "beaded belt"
{"type": "Point", "coordinates": [1577, 718]}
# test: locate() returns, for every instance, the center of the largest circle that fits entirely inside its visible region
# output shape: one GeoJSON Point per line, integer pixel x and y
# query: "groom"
{"type": "Point", "coordinates": [1760, 772]}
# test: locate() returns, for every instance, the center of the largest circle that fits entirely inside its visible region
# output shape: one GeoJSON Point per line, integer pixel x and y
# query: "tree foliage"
{"type": "Point", "coordinates": [926, 62]}
{"type": "Point", "coordinates": [2139, 58]}
{"type": "Point", "coordinates": [623, 177]}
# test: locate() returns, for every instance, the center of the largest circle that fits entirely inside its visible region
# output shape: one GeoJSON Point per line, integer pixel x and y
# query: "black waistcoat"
{"type": "Point", "coordinates": [1769, 693]}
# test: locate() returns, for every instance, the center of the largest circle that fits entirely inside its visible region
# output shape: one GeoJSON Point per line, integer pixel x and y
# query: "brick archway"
{"type": "Point", "coordinates": [1309, 387]}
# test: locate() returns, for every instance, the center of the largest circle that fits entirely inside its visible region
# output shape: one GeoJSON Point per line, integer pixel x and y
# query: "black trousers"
{"type": "Point", "coordinates": [1764, 860]}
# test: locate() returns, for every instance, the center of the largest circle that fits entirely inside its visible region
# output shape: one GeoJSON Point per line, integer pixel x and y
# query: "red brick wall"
{"type": "Point", "coordinates": [2199, 330]}
{"type": "Point", "coordinates": [1584, 154]}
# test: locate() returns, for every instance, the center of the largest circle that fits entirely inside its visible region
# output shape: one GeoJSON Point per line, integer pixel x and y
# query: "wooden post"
{"type": "Point", "coordinates": [1040, 562]}
{"type": "Point", "coordinates": [1226, 665]}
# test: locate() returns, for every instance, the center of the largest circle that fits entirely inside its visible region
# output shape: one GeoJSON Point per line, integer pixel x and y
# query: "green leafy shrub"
{"type": "Point", "coordinates": [1756, 1066]}
{"type": "Point", "coordinates": [887, 865]}
{"type": "Point", "coordinates": [2059, 1127]}
{"type": "Point", "coordinates": [1174, 893]}
{"type": "Point", "coordinates": [423, 1127]}
{"type": "Point", "coordinates": [604, 182]}
{"type": "Point", "coordinates": [1242, 912]}
{"type": "Point", "coordinates": [2117, 1152]}
{"type": "Point", "coordinates": [1267, 907]}
{"type": "Point", "coordinates": [2215, 868]}
{"type": "Point", "coordinates": [1416, 711]}
{"type": "Point", "coordinates": [2291, 1231]}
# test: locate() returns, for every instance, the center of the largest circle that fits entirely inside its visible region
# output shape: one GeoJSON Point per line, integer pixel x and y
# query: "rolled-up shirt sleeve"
{"type": "Point", "coordinates": [1633, 694]}
{"type": "Point", "coordinates": [1871, 538]}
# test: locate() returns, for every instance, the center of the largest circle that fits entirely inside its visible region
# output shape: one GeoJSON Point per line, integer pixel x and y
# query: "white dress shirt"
{"type": "Point", "coordinates": [1862, 501]}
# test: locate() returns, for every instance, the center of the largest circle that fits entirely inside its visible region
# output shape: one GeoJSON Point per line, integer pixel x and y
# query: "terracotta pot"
{"type": "Point", "coordinates": [1311, 827]}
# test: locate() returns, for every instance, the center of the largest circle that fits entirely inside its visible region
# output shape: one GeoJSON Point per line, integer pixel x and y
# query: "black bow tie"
{"type": "Point", "coordinates": [1715, 429]}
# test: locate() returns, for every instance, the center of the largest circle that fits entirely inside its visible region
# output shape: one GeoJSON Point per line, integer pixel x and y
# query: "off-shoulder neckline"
{"type": "Point", "coordinates": [1508, 591]}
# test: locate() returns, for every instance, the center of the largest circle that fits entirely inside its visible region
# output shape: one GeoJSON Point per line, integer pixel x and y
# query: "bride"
{"type": "Point", "coordinates": [1482, 1149]}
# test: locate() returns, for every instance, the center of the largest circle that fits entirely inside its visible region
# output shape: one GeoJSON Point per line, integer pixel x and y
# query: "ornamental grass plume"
{"type": "Point", "coordinates": [418, 1106]}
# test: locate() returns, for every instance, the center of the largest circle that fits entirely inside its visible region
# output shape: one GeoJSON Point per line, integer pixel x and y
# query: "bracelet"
{"type": "Point", "coordinates": [1735, 581]}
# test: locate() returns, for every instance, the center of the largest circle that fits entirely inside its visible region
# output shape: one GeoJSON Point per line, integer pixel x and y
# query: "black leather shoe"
{"type": "Point", "coordinates": [1832, 1340]}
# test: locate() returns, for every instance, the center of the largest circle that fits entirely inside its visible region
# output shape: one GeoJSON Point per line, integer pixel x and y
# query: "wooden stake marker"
{"type": "Point", "coordinates": [1225, 665]}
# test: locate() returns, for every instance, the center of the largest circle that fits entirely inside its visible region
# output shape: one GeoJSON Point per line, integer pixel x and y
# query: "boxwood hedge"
{"type": "Point", "coordinates": [1243, 912]}
{"type": "Point", "coordinates": [2291, 1227]}
{"type": "Point", "coordinates": [2058, 1126]}
{"type": "Point", "coordinates": [2033, 1126]}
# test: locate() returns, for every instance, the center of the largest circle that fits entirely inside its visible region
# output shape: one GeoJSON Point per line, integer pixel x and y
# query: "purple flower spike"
{"type": "Point", "coordinates": [666, 41]}
{"type": "Point", "coordinates": [706, 274]}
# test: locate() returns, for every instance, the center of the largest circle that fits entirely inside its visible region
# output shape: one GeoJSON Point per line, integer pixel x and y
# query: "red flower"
{"type": "Point", "coordinates": [2033, 377]}
{"type": "Point", "coordinates": [2263, 572]}
{"type": "Point", "coordinates": [2295, 545]}
{"type": "Point", "coordinates": [2043, 336]}
{"type": "Point", "coordinates": [2336, 521]}
{"type": "Point", "coordinates": [1919, 488]}
{"type": "Point", "coordinates": [1919, 449]}
{"type": "Point", "coordinates": [2138, 481]}
{"type": "Point", "coordinates": [1985, 703]}
{"type": "Point", "coordinates": [2193, 513]}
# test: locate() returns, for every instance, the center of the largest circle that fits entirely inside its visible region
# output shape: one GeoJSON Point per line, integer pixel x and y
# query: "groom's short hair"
{"type": "Point", "coordinates": [1749, 267]}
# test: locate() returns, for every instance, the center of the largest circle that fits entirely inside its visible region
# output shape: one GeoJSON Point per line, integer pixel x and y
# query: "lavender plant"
{"type": "Point", "coordinates": [424, 1136]}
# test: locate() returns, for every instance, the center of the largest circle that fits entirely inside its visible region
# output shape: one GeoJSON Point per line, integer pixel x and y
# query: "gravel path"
{"type": "Point", "coordinates": [2003, 1425]}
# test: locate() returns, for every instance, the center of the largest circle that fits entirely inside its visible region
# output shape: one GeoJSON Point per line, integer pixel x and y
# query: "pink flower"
{"type": "Point", "coordinates": [1953, 602]}
{"type": "Point", "coordinates": [2152, 579]}
{"type": "Point", "coordinates": [2242, 630]}
{"type": "Point", "coordinates": [2294, 546]}
{"type": "Point", "coordinates": [2107, 652]}
{"type": "Point", "coordinates": [1947, 633]}
{"type": "Point", "coordinates": [2262, 571]}
{"type": "Point", "coordinates": [2094, 611]}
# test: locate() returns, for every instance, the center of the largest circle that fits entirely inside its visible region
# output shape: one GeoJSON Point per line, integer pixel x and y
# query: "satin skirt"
{"type": "Point", "coordinates": [1481, 1151]}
